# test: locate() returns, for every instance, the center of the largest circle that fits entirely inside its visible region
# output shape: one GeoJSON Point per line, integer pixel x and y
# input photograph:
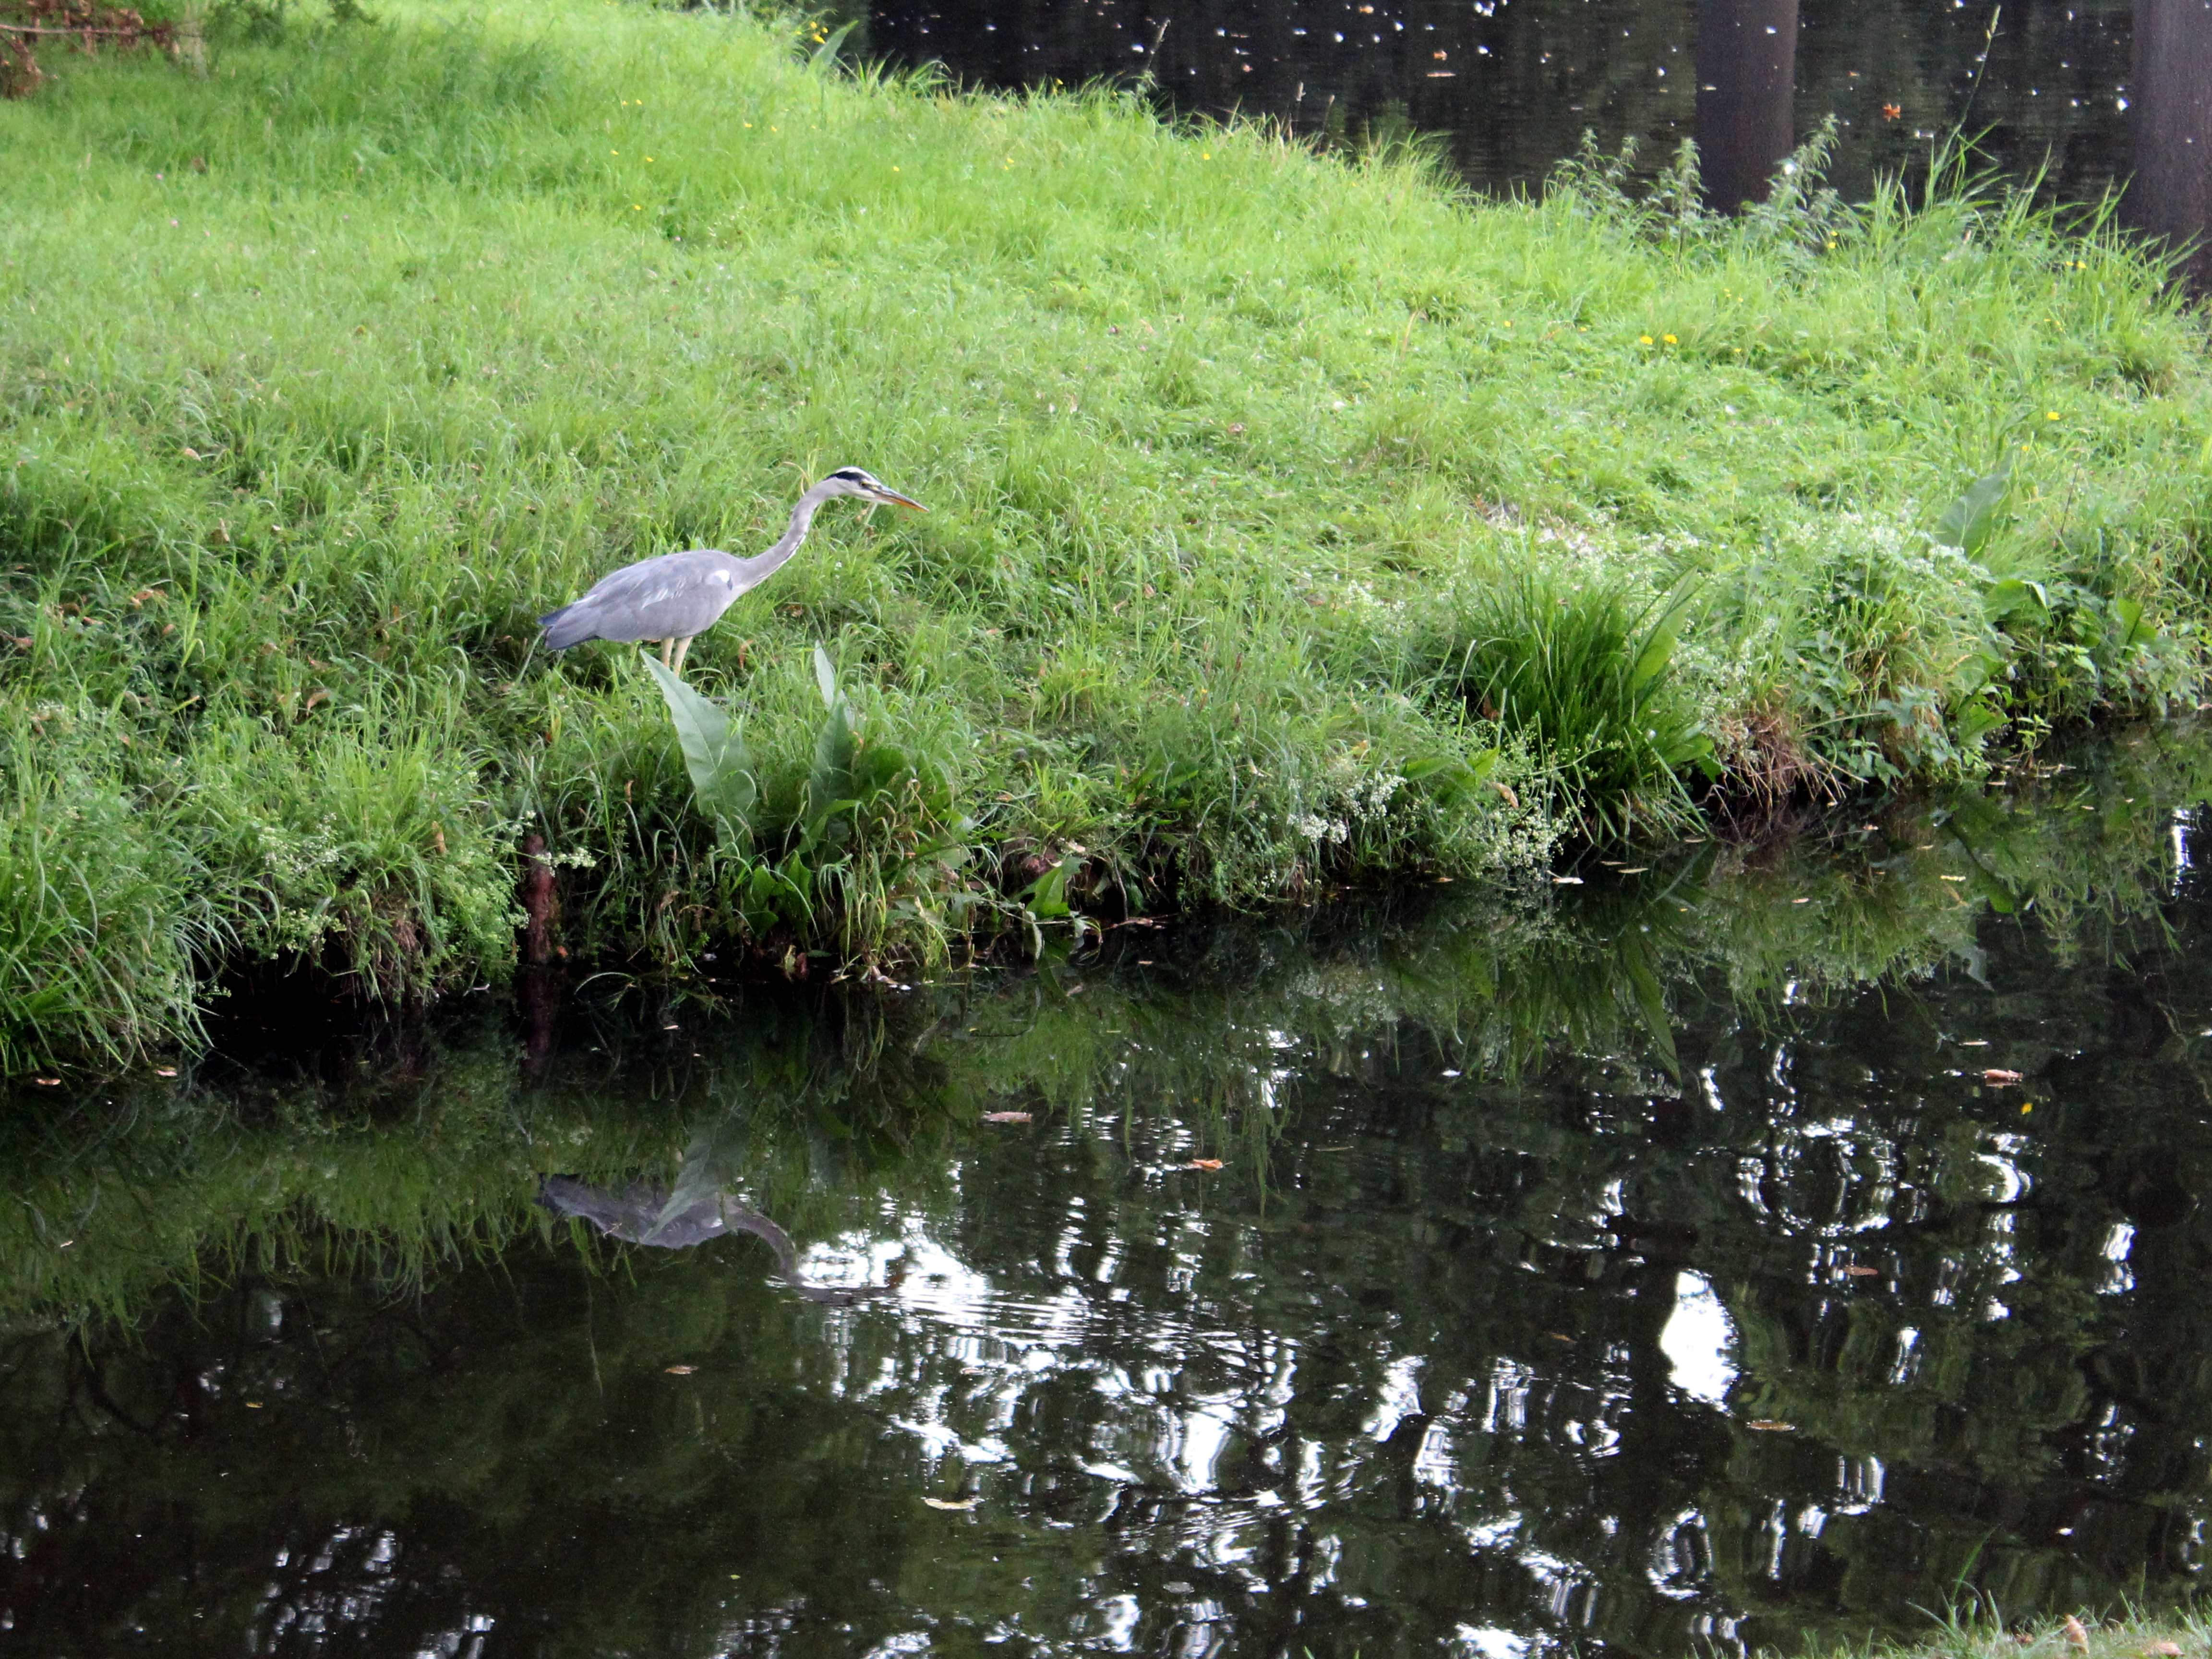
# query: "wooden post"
{"type": "Point", "coordinates": [2171, 195]}
{"type": "Point", "coordinates": [1747, 96]}
{"type": "Point", "coordinates": [537, 903]}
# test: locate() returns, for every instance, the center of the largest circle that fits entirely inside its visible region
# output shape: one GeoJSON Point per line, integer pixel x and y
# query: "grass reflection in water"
{"type": "Point", "coordinates": [1646, 1263]}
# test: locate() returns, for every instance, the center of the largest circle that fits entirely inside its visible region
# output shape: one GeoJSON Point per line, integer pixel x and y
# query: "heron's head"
{"type": "Point", "coordinates": [851, 481]}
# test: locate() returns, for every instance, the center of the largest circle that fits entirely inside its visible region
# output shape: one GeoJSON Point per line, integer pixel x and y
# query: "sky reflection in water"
{"type": "Point", "coordinates": [1494, 1333]}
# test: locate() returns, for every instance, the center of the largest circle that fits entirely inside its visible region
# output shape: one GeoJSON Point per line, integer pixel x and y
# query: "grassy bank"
{"type": "Point", "coordinates": [1293, 521]}
{"type": "Point", "coordinates": [2132, 1635]}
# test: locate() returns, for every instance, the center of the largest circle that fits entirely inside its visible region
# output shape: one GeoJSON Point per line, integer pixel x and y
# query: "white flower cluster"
{"type": "Point", "coordinates": [1353, 796]}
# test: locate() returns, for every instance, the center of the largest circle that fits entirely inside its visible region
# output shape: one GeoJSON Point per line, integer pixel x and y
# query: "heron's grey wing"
{"type": "Point", "coordinates": [611, 1210]}
{"type": "Point", "coordinates": [671, 597]}
{"type": "Point", "coordinates": [632, 1213]}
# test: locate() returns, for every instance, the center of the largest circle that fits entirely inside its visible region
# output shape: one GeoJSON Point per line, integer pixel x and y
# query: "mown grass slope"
{"type": "Point", "coordinates": [322, 376]}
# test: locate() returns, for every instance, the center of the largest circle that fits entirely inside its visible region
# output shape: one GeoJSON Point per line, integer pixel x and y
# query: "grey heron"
{"type": "Point", "coordinates": [638, 1214]}
{"type": "Point", "coordinates": [676, 596]}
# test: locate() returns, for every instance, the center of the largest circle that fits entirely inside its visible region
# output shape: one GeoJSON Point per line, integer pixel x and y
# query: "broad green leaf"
{"type": "Point", "coordinates": [1651, 1003]}
{"type": "Point", "coordinates": [1048, 895]}
{"type": "Point", "coordinates": [715, 752]}
{"type": "Point", "coordinates": [1652, 663]}
{"type": "Point", "coordinates": [1968, 523]}
{"type": "Point", "coordinates": [2009, 595]}
{"type": "Point", "coordinates": [825, 55]}
{"type": "Point", "coordinates": [2128, 623]}
{"type": "Point", "coordinates": [825, 678]}
{"type": "Point", "coordinates": [829, 781]}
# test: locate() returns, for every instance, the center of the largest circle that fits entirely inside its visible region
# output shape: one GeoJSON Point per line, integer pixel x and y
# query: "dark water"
{"type": "Point", "coordinates": [1657, 1265]}
{"type": "Point", "coordinates": [1509, 85]}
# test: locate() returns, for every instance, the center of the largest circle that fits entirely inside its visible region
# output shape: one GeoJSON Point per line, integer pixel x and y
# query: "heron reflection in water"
{"type": "Point", "coordinates": [674, 598]}
{"type": "Point", "coordinates": [639, 1214]}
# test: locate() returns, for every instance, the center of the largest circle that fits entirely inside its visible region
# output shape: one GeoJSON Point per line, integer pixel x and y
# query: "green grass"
{"type": "Point", "coordinates": [2184, 1633]}
{"type": "Point", "coordinates": [320, 377]}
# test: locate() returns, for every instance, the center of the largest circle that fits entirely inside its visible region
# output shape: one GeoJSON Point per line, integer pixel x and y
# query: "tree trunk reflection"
{"type": "Point", "coordinates": [2171, 195]}
{"type": "Point", "coordinates": [1747, 95]}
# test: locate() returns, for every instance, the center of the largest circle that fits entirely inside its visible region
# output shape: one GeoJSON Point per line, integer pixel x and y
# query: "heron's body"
{"type": "Point", "coordinates": [639, 1214]}
{"type": "Point", "coordinates": [674, 598]}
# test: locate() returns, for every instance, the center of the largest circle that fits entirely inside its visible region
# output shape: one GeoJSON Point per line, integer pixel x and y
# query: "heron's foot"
{"type": "Point", "coordinates": [666, 646]}
{"type": "Point", "coordinates": [682, 646]}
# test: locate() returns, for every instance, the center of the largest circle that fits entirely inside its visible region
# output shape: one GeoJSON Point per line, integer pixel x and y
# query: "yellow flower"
{"type": "Point", "coordinates": [648, 158]}
{"type": "Point", "coordinates": [1205, 155]}
{"type": "Point", "coordinates": [614, 152]}
{"type": "Point", "coordinates": [1668, 339]}
{"type": "Point", "coordinates": [2050, 415]}
{"type": "Point", "coordinates": [637, 207]}
{"type": "Point", "coordinates": [895, 166]}
{"type": "Point", "coordinates": [1644, 339]}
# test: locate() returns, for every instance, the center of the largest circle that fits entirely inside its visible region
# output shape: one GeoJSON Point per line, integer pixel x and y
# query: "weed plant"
{"type": "Point", "coordinates": [322, 376]}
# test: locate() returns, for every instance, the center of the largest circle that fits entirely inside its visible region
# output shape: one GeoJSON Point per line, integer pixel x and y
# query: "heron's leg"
{"type": "Point", "coordinates": [666, 646]}
{"type": "Point", "coordinates": [682, 646]}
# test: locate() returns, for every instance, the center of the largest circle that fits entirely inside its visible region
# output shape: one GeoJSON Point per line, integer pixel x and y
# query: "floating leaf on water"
{"type": "Point", "coordinates": [952, 1502]}
{"type": "Point", "coordinates": [1005, 1117]}
{"type": "Point", "coordinates": [1997, 1077]}
{"type": "Point", "coordinates": [1769, 1425]}
{"type": "Point", "coordinates": [1203, 1163]}
{"type": "Point", "coordinates": [165, 1071]}
{"type": "Point", "coordinates": [1567, 881]}
{"type": "Point", "coordinates": [679, 1370]}
{"type": "Point", "coordinates": [1856, 1271]}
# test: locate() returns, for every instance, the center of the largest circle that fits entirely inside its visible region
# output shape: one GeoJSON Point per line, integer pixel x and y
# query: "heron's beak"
{"type": "Point", "coordinates": [897, 500]}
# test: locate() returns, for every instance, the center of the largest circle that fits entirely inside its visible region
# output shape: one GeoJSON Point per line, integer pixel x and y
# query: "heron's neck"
{"type": "Point", "coordinates": [802, 520]}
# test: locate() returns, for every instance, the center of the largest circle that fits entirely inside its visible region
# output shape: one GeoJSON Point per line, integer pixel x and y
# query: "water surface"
{"type": "Point", "coordinates": [1662, 1263]}
{"type": "Point", "coordinates": [1511, 85]}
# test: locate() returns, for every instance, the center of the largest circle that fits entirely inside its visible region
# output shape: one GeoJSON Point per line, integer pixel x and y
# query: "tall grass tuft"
{"type": "Point", "coordinates": [106, 927]}
{"type": "Point", "coordinates": [1583, 673]}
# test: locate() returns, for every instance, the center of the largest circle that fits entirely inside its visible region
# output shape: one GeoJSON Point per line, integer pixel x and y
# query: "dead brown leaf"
{"type": "Point", "coordinates": [1999, 1078]}
{"type": "Point", "coordinates": [1005, 1117]}
{"type": "Point", "coordinates": [1203, 1163]}
{"type": "Point", "coordinates": [679, 1370]}
{"type": "Point", "coordinates": [2076, 1636]}
{"type": "Point", "coordinates": [1769, 1425]}
{"type": "Point", "coordinates": [951, 1504]}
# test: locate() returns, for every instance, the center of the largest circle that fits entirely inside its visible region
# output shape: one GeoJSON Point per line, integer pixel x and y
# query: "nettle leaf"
{"type": "Point", "coordinates": [714, 753]}
{"type": "Point", "coordinates": [825, 679]}
{"type": "Point", "coordinates": [1968, 522]}
{"type": "Point", "coordinates": [2006, 597]}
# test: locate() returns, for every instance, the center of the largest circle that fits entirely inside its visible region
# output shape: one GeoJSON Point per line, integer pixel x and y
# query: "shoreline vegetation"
{"type": "Point", "coordinates": [1983, 1634]}
{"type": "Point", "coordinates": [1296, 520]}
